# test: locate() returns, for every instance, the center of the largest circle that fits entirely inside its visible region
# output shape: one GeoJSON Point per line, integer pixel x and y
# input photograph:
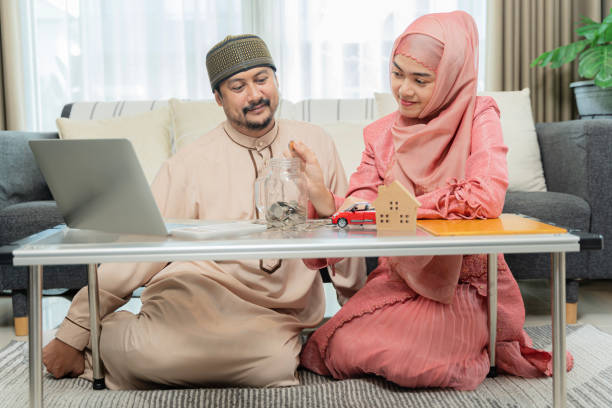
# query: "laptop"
{"type": "Point", "coordinates": [98, 184]}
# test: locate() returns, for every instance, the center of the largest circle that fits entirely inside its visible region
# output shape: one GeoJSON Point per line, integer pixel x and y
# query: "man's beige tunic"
{"type": "Point", "coordinates": [225, 322]}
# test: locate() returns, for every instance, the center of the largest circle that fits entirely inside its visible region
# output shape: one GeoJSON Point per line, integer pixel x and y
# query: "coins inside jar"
{"type": "Point", "coordinates": [283, 214]}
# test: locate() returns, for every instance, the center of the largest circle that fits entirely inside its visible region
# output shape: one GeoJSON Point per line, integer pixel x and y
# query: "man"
{"type": "Point", "coordinates": [226, 322]}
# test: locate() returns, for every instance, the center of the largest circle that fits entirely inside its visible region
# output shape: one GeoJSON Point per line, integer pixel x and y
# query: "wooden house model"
{"type": "Point", "coordinates": [396, 208]}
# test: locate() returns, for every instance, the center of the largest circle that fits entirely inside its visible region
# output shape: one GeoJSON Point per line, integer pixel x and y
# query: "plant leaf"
{"type": "Point", "coordinates": [561, 55]}
{"type": "Point", "coordinates": [558, 56]}
{"type": "Point", "coordinates": [568, 53]}
{"type": "Point", "coordinates": [601, 31]}
{"type": "Point", "coordinates": [589, 63]}
{"type": "Point", "coordinates": [586, 20]}
{"type": "Point", "coordinates": [542, 60]}
{"type": "Point", "coordinates": [548, 58]}
{"type": "Point", "coordinates": [575, 49]}
{"type": "Point", "coordinates": [589, 31]}
{"type": "Point", "coordinates": [603, 83]}
{"type": "Point", "coordinates": [603, 79]}
{"type": "Point", "coordinates": [596, 61]}
{"type": "Point", "coordinates": [607, 36]}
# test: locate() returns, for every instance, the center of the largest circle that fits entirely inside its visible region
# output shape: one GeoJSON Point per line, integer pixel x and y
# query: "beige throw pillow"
{"type": "Point", "coordinates": [348, 138]}
{"type": "Point", "coordinates": [525, 170]}
{"type": "Point", "coordinates": [149, 133]}
{"type": "Point", "coordinates": [192, 119]}
{"type": "Point", "coordinates": [384, 104]}
{"type": "Point", "coordinates": [288, 110]}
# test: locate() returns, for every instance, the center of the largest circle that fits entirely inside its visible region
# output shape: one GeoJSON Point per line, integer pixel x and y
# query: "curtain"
{"type": "Point", "coordinates": [83, 50]}
{"type": "Point", "coordinates": [340, 48]}
{"type": "Point", "coordinates": [11, 80]}
{"type": "Point", "coordinates": [520, 30]}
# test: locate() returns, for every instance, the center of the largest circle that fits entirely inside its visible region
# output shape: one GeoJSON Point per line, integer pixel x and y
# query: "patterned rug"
{"type": "Point", "coordinates": [589, 385]}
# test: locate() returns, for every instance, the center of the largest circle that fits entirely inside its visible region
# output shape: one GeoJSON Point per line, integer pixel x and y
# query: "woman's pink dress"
{"type": "Point", "coordinates": [392, 327]}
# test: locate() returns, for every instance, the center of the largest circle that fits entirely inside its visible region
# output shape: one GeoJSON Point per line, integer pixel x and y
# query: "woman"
{"type": "Point", "coordinates": [422, 321]}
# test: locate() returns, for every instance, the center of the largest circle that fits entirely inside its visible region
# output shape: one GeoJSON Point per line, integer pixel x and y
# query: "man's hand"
{"type": "Point", "coordinates": [320, 197]}
{"type": "Point", "coordinates": [63, 360]}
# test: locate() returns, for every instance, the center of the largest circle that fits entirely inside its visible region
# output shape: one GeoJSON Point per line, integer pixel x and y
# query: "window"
{"type": "Point", "coordinates": [77, 50]}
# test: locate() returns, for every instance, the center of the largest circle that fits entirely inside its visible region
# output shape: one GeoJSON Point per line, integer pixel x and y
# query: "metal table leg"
{"type": "Point", "coordinates": [94, 325]}
{"type": "Point", "coordinates": [558, 328]}
{"type": "Point", "coordinates": [492, 298]}
{"type": "Point", "coordinates": [35, 335]}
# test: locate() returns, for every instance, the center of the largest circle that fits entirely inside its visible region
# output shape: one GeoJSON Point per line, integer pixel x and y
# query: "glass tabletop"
{"type": "Point", "coordinates": [63, 245]}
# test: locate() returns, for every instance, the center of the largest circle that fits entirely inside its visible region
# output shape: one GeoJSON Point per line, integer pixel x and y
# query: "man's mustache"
{"type": "Point", "coordinates": [254, 105]}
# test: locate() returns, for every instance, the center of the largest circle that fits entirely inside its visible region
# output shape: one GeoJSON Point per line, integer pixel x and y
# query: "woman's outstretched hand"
{"type": "Point", "coordinates": [320, 197]}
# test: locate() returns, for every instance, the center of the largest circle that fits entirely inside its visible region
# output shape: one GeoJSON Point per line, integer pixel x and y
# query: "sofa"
{"type": "Point", "coordinates": [559, 172]}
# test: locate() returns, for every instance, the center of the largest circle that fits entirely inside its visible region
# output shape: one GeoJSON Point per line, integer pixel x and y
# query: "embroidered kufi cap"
{"type": "Point", "coordinates": [236, 53]}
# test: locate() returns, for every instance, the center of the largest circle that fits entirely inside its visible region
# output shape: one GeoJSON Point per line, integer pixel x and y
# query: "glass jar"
{"type": "Point", "coordinates": [280, 193]}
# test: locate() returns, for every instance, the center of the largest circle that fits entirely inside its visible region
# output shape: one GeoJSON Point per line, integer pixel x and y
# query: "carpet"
{"type": "Point", "coordinates": [589, 385]}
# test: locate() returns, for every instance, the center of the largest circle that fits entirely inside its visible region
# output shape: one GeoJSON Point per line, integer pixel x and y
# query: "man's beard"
{"type": "Point", "coordinates": [257, 125]}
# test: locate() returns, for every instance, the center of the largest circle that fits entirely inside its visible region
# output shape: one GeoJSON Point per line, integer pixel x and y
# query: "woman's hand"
{"type": "Point", "coordinates": [350, 201]}
{"type": "Point", "coordinates": [320, 197]}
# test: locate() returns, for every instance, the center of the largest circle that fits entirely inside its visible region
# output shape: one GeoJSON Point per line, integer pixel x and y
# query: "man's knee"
{"type": "Point", "coordinates": [278, 369]}
{"type": "Point", "coordinates": [121, 350]}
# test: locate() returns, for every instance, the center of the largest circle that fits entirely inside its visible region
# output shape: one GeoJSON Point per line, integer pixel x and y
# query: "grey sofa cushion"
{"type": "Point", "coordinates": [20, 220]}
{"type": "Point", "coordinates": [25, 182]}
{"type": "Point", "coordinates": [565, 210]}
{"type": "Point", "coordinates": [54, 277]}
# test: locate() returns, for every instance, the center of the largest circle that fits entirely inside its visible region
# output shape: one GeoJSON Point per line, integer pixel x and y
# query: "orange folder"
{"type": "Point", "coordinates": [505, 224]}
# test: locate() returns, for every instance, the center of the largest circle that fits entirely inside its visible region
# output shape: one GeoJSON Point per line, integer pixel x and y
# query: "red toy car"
{"type": "Point", "coordinates": [359, 213]}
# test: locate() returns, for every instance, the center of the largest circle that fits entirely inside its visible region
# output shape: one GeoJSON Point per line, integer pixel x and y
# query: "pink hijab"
{"type": "Point", "coordinates": [434, 149]}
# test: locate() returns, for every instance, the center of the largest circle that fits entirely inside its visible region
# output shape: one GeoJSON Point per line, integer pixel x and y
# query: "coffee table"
{"type": "Point", "coordinates": [61, 246]}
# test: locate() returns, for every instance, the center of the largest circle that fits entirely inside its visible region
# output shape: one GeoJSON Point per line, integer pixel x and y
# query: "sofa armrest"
{"type": "Point", "coordinates": [576, 160]}
{"type": "Point", "coordinates": [20, 179]}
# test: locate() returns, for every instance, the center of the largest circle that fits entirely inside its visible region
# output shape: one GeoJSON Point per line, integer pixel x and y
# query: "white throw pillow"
{"type": "Point", "coordinates": [149, 133]}
{"type": "Point", "coordinates": [348, 138]}
{"type": "Point", "coordinates": [525, 170]}
{"type": "Point", "coordinates": [192, 119]}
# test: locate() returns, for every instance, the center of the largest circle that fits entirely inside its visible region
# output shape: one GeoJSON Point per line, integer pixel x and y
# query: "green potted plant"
{"type": "Point", "coordinates": [594, 53]}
